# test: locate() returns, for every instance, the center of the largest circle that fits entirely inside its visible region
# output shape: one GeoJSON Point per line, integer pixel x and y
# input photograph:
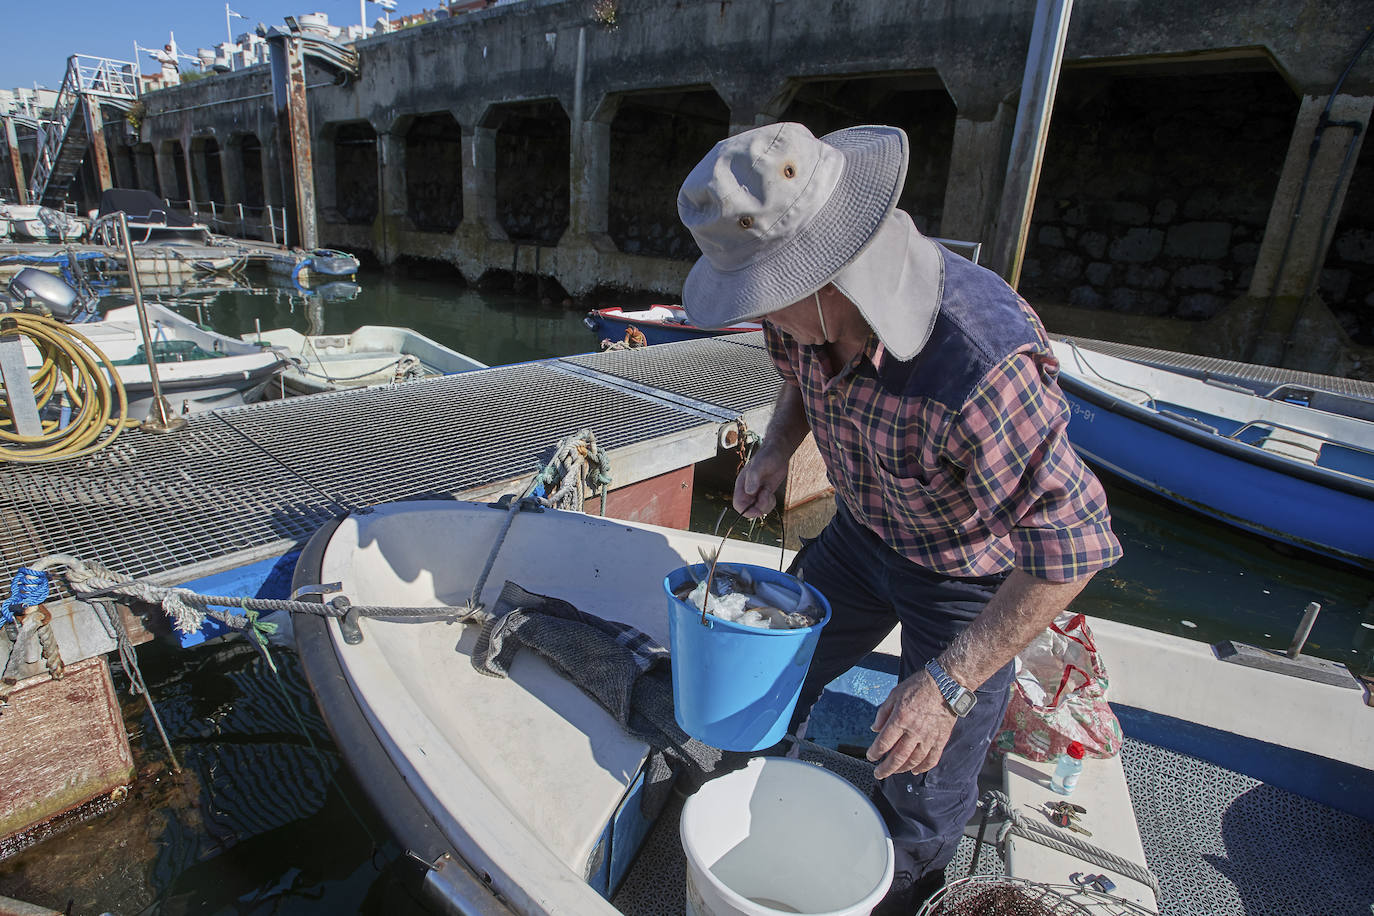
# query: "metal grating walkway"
{"type": "Point", "coordinates": [1261, 377]}
{"type": "Point", "coordinates": [252, 477]}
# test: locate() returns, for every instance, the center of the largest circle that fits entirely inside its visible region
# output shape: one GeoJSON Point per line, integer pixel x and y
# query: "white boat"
{"type": "Point", "coordinates": [43, 224]}
{"type": "Point", "coordinates": [197, 369]}
{"type": "Point", "coordinates": [371, 355]}
{"type": "Point", "coordinates": [524, 795]}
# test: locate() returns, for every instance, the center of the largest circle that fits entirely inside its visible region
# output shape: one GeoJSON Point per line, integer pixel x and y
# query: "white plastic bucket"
{"type": "Point", "coordinates": [783, 836]}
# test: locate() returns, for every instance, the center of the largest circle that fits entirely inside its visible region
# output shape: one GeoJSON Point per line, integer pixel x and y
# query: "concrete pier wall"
{"type": "Point", "coordinates": [1181, 202]}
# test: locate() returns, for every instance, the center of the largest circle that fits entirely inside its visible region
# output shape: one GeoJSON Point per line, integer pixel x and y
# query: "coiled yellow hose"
{"type": "Point", "coordinates": [74, 366]}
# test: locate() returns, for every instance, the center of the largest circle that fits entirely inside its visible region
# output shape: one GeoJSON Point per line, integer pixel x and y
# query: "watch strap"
{"type": "Point", "coordinates": [949, 688]}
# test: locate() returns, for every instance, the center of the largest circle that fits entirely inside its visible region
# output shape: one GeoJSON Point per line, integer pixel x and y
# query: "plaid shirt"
{"type": "Point", "coordinates": [968, 489]}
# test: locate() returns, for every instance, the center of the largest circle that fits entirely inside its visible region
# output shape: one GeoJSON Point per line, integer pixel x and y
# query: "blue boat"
{"type": "Point", "coordinates": [656, 324]}
{"type": "Point", "coordinates": [1285, 471]}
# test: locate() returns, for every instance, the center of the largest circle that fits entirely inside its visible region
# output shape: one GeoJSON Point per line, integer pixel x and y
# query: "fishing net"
{"type": "Point", "coordinates": [999, 895]}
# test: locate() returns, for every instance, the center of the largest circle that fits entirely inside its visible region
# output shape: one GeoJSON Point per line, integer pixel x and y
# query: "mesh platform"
{"type": "Point", "coordinates": [238, 479]}
{"type": "Point", "coordinates": [1221, 844]}
{"type": "Point", "coordinates": [1266, 377]}
{"type": "Point", "coordinates": [733, 373]}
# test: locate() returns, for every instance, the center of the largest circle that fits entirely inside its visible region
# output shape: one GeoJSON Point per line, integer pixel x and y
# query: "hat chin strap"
{"type": "Point", "coordinates": [825, 335]}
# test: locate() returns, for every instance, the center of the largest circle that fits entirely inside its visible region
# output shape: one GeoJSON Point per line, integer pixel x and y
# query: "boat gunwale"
{"type": "Point", "coordinates": [1214, 441]}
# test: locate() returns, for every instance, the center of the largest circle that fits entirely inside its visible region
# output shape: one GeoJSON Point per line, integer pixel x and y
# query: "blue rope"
{"type": "Point", "coordinates": [30, 587]}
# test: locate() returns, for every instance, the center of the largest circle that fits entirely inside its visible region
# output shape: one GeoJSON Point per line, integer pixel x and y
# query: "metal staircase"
{"type": "Point", "coordinates": [63, 141]}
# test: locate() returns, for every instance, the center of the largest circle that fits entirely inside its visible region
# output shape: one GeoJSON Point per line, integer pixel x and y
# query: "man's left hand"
{"type": "Point", "coordinates": [913, 726]}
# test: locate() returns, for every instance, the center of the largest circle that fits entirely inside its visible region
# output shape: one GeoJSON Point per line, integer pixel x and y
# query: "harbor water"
{"type": "Point", "coordinates": [264, 818]}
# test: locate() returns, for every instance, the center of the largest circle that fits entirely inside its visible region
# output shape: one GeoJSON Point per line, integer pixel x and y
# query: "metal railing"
{"type": "Point", "coordinates": [116, 79]}
{"type": "Point", "coordinates": [238, 220]}
{"type": "Point", "coordinates": [105, 76]}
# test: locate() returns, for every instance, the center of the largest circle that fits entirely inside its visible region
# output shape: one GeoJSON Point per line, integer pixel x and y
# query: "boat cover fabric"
{"type": "Point", "coordinates": [618, 666]}
{"type": "Point", "coordinates": [139, 206]}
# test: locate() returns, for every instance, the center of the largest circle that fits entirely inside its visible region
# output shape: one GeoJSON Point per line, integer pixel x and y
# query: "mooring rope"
{"type": "Point", "coordinates": [1047, 835]}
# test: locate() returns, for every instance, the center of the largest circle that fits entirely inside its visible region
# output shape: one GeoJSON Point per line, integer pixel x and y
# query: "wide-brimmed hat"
{"type": "Point", "coordinates": [778, 213]}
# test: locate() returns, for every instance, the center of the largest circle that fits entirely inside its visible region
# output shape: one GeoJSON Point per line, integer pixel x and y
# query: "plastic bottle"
{"type": "Point", "coordinates": [1067, 769]}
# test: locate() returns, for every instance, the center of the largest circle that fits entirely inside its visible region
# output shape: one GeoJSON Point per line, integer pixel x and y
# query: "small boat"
{"type": "Point", "coordinates": [524, 793]}
{"type": "Point", "coordinates": [197, 369]}
{"type": "Point", "coordinates": [150, 218]}
{"type": "Point", "coordinates": [1282, 470]}
{"type": "Point", "coordinates": [371, 355]}
{"type": "Point", "coordinates": [657, 323]}
{"type": "Point", "coordinates": [42, 224]}
{"type": "Point", "coordinates": [304, 266]}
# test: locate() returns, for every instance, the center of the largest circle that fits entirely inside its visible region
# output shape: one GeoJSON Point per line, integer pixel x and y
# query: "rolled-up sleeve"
{"type": "Point", "coordinates": [1024, 478]}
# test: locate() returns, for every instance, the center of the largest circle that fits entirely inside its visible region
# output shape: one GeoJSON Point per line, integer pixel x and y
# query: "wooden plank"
{"type": "Point", "coordinates": [663, 500]}
{"type": "Point", "coordinates": [62, 743]}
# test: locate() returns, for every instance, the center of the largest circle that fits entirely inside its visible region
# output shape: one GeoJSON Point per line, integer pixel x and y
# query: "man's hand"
{"type": "Point", "coordinates": [913, 726]}
{"type": "Point", "coordinates": [757, 485]}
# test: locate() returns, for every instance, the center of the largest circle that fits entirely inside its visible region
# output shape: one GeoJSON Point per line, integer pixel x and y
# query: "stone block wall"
{"type": "Point", "coordinates": [1155, 191]}
{"type": "Point", "coordinates": [1347, 278]}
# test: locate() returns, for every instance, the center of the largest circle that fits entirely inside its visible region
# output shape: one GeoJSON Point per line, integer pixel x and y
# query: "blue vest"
{"type": "Point", "coordinates": [981, 321]}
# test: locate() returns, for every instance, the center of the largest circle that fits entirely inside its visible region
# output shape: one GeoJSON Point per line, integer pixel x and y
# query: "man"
{"type": "Point", "coordinates": [961, 511]}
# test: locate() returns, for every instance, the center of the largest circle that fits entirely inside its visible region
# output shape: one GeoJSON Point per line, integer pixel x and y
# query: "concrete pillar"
{"type": "Point", "coordinates": [231, 163]}
{"type": "Point", "coordinates": [479, 183]}
{"type": "Point", "coordinates": [121, 167]}
{"type": "Point", "coordinates": [100, 150]}
{"type": "Point", "coordinates": [1302, 218]}
{"type": "Point", "coordinates": [192, 185]}
{"type": "Point", "coordinates": [976, 168]}
{"type": "Point", "coordinates": [392, 213]}
{"type": "Point", "coordinates": [751, 107]}
{"type": "Point", "coordinates": [146, 162]}
{"type": "Point", "coordinates": [166, 165]}
{"type": "Point", "coordinates": [16, 162]}
{"type": "Point", "coordinates": [200, 171]}
{"type": "Point", "coordinates": [590, 174]}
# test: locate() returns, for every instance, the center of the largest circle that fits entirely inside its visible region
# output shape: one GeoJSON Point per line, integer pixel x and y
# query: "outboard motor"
{"type": "Point", "coordinates": [36, 290]}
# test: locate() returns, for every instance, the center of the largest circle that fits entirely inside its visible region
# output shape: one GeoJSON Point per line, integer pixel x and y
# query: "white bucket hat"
{"type": "Point", "coordinates": [778, 214]}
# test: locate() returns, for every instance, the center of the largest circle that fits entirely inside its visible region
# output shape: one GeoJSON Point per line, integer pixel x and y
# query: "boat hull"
{"type": "Point", "coordinates": [1227, 481]}
{"type": "Point", "coordinates": [613, 323]}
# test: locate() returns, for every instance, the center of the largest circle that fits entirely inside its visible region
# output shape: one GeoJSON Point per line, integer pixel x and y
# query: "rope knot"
{"type": "Point", "coordinates": [29, 587]}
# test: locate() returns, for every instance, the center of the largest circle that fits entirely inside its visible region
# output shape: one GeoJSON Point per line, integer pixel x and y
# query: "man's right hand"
{"type": "Point", "coordinates": [757, 485]}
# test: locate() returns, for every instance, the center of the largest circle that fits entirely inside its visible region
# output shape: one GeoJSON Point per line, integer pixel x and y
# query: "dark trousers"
{"type": "Point", "coordinates": [871, 588]}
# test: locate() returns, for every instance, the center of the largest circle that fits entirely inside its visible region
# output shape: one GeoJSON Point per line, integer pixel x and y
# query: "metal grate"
{"type": "Point", "coordinates": [734, 372]}
{"type": "Point", "coordinates": [274, 471]}
{"type": "Point", "coordinates": [1201, 366]}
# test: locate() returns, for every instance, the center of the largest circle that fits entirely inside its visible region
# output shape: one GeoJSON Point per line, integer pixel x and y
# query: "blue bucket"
{"type": "Point", "coordinates": [734, 687]}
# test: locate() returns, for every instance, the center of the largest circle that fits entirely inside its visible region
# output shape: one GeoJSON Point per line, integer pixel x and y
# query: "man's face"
{"type": "Point", "coordinates": [802, 320]}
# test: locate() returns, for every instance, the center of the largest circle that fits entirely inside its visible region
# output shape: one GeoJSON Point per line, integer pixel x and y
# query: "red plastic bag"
{"type": "Point", "coordinates": [1059, 696]}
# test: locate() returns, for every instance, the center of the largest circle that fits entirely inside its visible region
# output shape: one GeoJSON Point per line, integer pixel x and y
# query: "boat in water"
{"type": "Point", "coordinates": [1284, 470]}
{"type": "Point", "coordinates": [151, 220]}
{"type": "Point", "coordinates": [30, 222]}
{"type": "Point", "coordinates": [522, 794]}
{"type": "Point", "coordinates": [655, 325]}
{"type": "Point", "coordinates": [371, 355]}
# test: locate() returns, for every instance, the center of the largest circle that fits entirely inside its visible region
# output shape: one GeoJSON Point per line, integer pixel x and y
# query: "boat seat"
{"type": "Point", "coordinates": [1293, 444]}
{"type": "Point", "coordinates": [1110, 817]}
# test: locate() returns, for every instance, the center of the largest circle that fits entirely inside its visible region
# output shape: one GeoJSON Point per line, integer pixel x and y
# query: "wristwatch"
{"type": "Point", "coordinates": [958, 697]}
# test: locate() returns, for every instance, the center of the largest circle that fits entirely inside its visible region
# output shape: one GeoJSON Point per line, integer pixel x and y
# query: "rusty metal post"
{"type": "Point", "coordinates": [159, 419]}
{"type": "Point", "coordinates": [293, 136]}
{"type": "Point", "coordinates": [21, 187]}
{"type": "Point", "coordinates": [100, 153]}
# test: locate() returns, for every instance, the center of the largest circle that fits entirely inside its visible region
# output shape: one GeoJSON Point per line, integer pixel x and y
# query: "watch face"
{"type": "Point", "coordinates": [963, 704]}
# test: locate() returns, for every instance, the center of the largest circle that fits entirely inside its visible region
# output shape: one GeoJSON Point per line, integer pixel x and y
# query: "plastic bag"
{"type": "Point", "coordinates": [1059, 696]}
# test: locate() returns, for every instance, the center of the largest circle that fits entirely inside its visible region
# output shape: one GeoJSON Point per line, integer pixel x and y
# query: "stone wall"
{"type": "Point", "coordinates": [1347, 279]}
{"type": "Point", "coordinates": [1155, 191]}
